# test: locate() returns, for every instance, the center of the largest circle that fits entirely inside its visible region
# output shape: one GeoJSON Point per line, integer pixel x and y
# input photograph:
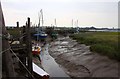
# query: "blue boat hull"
{"type": "Point", "coordinates": [42, 36]}
{"type": "Point", "coordinates": [39, 36]}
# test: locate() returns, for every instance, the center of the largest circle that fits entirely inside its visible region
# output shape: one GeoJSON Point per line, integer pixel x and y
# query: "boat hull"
{"type": "Point", "coordinates": [36, 52]}
{"type": "Point", "coordinates": [40, 35]}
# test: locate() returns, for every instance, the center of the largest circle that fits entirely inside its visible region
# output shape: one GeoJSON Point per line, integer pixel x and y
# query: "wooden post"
{"type": "Point", "coordinates": [17, 24]}
{"type": "Point", "coordinates": [18, 29]}
{"type": "Point", "coordinates": [24, 38]}
{"type": "Point", "coordinates": [29, 48]}
{"type": "Point", "coordinates": [7, 63]}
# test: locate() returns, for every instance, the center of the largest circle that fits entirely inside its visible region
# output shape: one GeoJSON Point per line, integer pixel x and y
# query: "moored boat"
{"type": "Point", "coordinates": [41, 35]}
{"type": "Point", "coordinates": [36, 50]}
{"type": "Point", "coordinates": [39, 73]}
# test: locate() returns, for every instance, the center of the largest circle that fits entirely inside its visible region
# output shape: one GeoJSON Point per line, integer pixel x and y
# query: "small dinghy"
{"type": "Point", "coordinates": [36, 50]}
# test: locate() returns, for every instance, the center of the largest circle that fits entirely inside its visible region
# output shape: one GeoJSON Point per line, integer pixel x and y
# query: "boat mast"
{"type": "Point", "coordinates": [39, 20]}
{"type": "Point", "coordinates": [42, 17]}
{"type": "Point", "coordinates": [55, 23]}
{"type": "Point", "coordinates": [40, 24]}
{"type": "Point", "coordinates": [72, 22]}
{"type": "Point", "coordinates": [38, 27]}
{"type": "Point", "coordinates": [77, 23]}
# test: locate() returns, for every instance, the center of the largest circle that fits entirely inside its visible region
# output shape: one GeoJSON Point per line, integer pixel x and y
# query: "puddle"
{"type": "Point", "coordinates": [64, 43]}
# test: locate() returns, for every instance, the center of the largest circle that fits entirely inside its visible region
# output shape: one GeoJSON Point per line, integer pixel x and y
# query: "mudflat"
{"type": "Point", "coordinates": [78, 61]}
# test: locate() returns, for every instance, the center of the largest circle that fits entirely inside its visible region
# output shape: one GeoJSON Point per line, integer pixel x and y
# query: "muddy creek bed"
{"type": "Point", "coordinates": [78, 61]}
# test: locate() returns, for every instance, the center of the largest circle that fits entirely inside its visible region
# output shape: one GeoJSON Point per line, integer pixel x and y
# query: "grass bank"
{"type": "Point", "coordinates": [104, 43]}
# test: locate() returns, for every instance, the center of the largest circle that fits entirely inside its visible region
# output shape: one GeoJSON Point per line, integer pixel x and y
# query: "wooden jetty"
{"type": "Point", "coordinates": [17, 53]}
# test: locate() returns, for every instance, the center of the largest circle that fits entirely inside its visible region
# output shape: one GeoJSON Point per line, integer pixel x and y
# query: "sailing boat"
{"type": "Point", "coordinates": [36, 48]}
{"type": "Point", "coordinates": [40, 33]}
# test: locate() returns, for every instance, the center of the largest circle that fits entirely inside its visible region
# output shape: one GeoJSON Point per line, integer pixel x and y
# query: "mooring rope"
{"type": "Point", "coordinates": [18, 60]}
{"type": "Point", "coordinates": [5, 50]}
{"type": "Point", "coordinates": [22, 63]}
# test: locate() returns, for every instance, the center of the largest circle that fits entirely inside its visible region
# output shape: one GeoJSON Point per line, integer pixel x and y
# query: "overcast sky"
{"type": "Point", "coordinates": [99, 13]}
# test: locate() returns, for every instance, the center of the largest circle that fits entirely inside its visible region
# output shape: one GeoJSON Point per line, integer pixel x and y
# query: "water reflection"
{"type": "Point", "coordinates": [49, 64]}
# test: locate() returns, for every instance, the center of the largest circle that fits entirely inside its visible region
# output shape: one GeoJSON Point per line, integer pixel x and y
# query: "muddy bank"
{"type": "Point", "coordinates": [78, 61]}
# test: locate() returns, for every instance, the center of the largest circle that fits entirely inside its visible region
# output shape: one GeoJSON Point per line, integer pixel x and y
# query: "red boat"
{"type": "Point", "coordinates": [36, 50]}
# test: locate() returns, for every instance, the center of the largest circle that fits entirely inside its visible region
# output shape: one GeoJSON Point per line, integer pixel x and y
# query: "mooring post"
{"type": "Point", "coordinates": [18, 29]}
{"type": "Point", "coordinates": [17, 24]}
{"type": "Point", "coordinates": [23, 32]}
{"type": "Point", "coordinates": [29, 49]}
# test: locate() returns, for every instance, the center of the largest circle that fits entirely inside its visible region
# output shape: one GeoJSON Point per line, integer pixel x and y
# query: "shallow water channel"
{"type": "Point", "coordinates": [49, 64]}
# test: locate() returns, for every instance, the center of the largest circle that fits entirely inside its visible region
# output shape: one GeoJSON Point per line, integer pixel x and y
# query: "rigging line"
{"type": "Point", "coordinates": [23, 34]}
{"type": "Point", "coordinates": [22, 37]}
{"type": "Point", "coordinates": [22, 64]}
{"type": "Point", "coordinates": [5, 50]}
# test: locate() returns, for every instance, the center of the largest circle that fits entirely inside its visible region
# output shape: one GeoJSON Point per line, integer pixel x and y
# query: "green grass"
{"type": "Point", "coordinates": [104, 43]}
{"type": "Point", "coordinates": [14, 32]}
